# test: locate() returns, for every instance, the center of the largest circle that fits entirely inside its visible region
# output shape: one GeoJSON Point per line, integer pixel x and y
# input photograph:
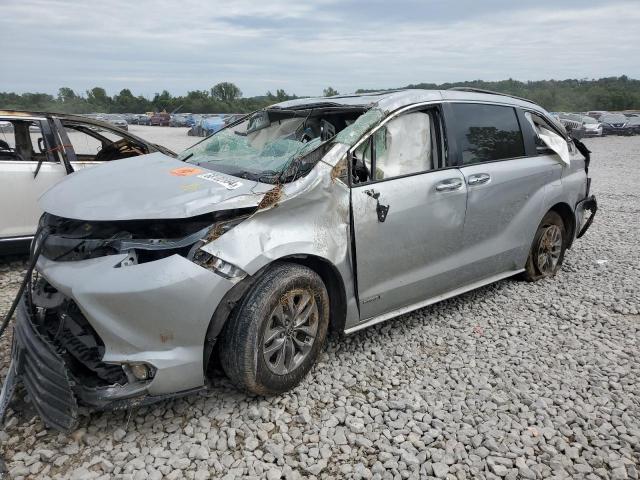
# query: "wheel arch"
{"type": "Point", "coordinates": [568, 218]}
{"type": "Point", "coordinates": [329, 274]}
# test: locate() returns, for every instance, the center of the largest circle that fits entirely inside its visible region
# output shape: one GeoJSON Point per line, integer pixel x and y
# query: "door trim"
{"type": "Point", "coordinates": [431, 301]}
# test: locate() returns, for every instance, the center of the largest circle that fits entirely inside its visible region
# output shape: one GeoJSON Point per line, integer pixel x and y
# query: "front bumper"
{"type": "Point", "coordinates": [592, 133]}
{"type": "Point", "coordinates": [44, 375]}
{"type": "Point", "coordinates": [156, 313]}
{"type": "Point", "coordinates": [617, 131]}
{"type": "Point", "coordinates": [55, 391]}
{"type": "Point", "coordinates": [587, 204]}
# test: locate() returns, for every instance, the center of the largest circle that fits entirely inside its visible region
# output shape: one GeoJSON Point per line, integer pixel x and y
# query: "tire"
{"type": "Point", "coordinates": [258, 338]}
{"type": "Point", "coordinates": [548, 248]}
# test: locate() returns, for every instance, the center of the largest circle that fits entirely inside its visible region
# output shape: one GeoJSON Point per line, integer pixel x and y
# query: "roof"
{"type": "Point", "coordinates": [394, 99]}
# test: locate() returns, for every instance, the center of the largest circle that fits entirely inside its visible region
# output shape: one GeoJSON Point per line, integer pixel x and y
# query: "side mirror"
{"type": "Point", "coordinates": [41, 145]}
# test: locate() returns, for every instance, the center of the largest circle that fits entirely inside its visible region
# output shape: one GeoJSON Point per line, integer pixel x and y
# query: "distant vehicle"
{"type": "Point", "coordinates": [160, 119]}
{"type": "Point", "coordinates": [206, 126]}
{"type": "Point", "coordinates": [192, 119]}
{"type": "Point", "coordinates": [131, 118]}
{"type": "Point", "coordinates": [38, 150]}
{"type": "Point", "coordinates": [118, 121]}
{"type": "Point", "coordinates": [585, 126]}
{"type": "Point", "coordinates": [143, 119]}
{"type": "Point", "coordinates": [596, 113]}
{"type": "Point", "coordinates": [178, 120]}
{"type": "Point", "coordinates": [615, 124]}
{"type": "Point", "coordinates": [633, 123]}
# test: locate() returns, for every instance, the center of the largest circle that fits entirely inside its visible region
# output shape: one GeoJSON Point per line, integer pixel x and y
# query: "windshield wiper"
{"type": "Point", "coordinates": [258, 177]}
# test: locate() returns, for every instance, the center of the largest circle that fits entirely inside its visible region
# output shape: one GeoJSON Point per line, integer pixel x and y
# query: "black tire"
{"type": "Point", "coordinates": [536, 267]}
{"type": "Point", "coordinates": [242, 347]}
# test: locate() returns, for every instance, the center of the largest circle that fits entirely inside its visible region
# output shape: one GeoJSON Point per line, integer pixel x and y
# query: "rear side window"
{"type": "Point", "coordinates": [487, 132]}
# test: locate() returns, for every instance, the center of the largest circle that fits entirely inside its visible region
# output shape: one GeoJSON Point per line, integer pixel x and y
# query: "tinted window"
{"type": "Point", "coordinates": [487, 132]}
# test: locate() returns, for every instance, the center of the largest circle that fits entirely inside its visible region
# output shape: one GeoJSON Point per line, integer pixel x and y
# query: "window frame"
{"type": "Point", "coordinates": [45, 131]}
{"type": "Point", "coordinates": [450, 119]}
{"type": "Point", "coordinates": [530, 138]}
{"type": "Point", "coordinates": [443, 145]}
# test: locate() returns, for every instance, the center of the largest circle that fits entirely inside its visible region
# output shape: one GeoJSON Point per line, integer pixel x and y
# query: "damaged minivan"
{"type": "Point", "coordinates": [313, 214]}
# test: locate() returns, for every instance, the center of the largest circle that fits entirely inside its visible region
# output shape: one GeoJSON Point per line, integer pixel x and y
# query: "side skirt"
{"type": "Point", "coordinates": [431, 301]}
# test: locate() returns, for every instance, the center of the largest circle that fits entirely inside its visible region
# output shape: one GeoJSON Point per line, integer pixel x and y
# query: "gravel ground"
{"type": "Point", "coordinates": [514, 380]}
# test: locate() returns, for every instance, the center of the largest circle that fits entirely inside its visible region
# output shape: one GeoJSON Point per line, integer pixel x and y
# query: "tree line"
{"type": "Point", "coordinates": [572, 95]}
{"type": "Point", "coordinates": [611, 93]}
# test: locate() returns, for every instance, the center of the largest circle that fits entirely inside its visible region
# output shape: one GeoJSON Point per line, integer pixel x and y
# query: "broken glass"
{"type": "Point", "coordinates": [352, 133]}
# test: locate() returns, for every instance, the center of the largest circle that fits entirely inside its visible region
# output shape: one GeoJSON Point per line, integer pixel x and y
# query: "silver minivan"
{"type": "Point", "coordinates": [313, 214]}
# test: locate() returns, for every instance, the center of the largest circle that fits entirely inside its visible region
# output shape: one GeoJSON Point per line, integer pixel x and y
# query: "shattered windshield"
{"type": "Point", "coordinates": [267, 142]}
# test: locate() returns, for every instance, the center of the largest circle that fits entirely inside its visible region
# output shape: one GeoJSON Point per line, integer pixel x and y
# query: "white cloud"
{"type": "Point", "coordinates": [303, 47]}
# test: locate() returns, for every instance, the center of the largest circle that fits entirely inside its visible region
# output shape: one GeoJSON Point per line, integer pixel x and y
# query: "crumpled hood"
{"type": "Point", "coordinates": [151, 186]}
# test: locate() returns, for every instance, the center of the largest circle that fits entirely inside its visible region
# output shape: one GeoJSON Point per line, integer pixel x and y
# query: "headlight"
{"type": "Point", "coordinates": [224, 269]}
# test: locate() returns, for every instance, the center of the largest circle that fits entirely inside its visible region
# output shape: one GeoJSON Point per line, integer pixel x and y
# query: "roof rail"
{"type": "Point", "coordinates": [490, 92]}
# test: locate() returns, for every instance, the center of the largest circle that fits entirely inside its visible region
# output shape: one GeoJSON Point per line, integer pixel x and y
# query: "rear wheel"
{"type": "Point", "coordinates": [548, 248]}
{"type": "Point", "coordinates": [274, 336]}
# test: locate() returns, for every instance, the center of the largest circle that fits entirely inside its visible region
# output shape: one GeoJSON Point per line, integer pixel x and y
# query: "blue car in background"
{"type": "Point", "coordinates": [206, 125]}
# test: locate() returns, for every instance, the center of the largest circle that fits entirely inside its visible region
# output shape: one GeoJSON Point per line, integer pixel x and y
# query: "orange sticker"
{"type": "Point", "coordinates": [185, 171]}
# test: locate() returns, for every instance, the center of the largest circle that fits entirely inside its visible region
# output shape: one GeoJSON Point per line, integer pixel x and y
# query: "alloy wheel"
{"type": "Point", "coordinates": [549, 250]}
{"type": "Point", "coordinates": [291, 331]}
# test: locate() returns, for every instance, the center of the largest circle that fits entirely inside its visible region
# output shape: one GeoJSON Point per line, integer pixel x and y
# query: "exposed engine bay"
{"type": "Point", "coordinates": [143, 240]}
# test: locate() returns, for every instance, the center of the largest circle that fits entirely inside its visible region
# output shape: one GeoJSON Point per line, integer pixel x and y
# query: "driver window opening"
{"type": "Point", "coordinates": [541, 128]}
{"type": "Point", "coordinates": [408, 144]}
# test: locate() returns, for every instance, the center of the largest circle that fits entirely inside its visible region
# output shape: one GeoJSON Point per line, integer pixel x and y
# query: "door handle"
{"type": "Point", "coordinates": [449, 185]}
{"type": "Point", "coordinates": [478, 179]}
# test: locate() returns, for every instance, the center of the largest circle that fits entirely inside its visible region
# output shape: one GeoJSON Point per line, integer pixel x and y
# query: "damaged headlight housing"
{"type": "Point", "coordinates": [211, 262]}
{"type": "Point", "coordinates": [224, 269]}
{"type": "Point", "coordinates": [142, 241]}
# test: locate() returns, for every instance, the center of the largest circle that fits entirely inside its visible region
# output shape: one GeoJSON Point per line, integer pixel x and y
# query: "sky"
{"type": "Point", "coordinates": [305, 46]}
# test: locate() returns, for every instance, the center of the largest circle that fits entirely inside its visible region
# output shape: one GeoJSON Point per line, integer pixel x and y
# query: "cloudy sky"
{"type": "Point", "coordinates": [304, 46]}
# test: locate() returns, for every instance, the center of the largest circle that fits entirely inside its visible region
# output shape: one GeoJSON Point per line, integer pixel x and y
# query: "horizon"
{"type": "Point", "coordinates": [83, 92]}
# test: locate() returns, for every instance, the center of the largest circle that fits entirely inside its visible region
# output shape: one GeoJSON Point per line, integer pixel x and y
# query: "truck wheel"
{"type": "Point", "coordinates": [275, 334]}
{"type": "Point", "coordinates": [547, 250]}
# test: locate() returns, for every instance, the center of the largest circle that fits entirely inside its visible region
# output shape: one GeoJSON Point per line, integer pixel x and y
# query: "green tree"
{"type": "Point", "coordinates": [66, 94]}
{"type": "Point", "coordinates": [330, 92]}
{"type": "Point", "coordinates": [226, 92]}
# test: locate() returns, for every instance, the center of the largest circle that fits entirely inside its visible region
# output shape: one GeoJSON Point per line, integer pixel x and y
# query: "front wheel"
{"type": "Point", "coordinates": [275, 334]}
{"type": "Point", "coordinates": [547, 250]}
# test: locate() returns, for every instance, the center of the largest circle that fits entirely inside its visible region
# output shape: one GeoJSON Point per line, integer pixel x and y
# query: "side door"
{"type": "Point", "coordinates": [408, 209]}
{"type": "Point", "coordinates": [28, 167]}
{"type": "Point", "coordinates": [506, 184]}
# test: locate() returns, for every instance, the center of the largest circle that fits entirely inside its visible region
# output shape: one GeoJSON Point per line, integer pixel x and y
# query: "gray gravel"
{"type": "Point", "coordinates": [514, 380]}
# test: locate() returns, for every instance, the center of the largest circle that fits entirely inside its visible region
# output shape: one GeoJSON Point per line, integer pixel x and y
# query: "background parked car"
{"type": "Point", "coordinates": [585, 126]}
{"type": "Point", "coordinates": [633, 122]}
{"type": "Point", "coordinates": [117, 121]}
{"type": "Point", "coordinates": [160, 119]}
{"type": "Point", "coordinates": [131, 118]}
{"type": "Point", "coordinates": [615, 124]}
{"type": "Point", "coordinates": [178, 120]}
{"type": "Point", "coordinates": [39, 149]}
{"type": "Point", "coordinates": [596, 113]}
{"type": "Point", "coordinates": [206, 125]}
